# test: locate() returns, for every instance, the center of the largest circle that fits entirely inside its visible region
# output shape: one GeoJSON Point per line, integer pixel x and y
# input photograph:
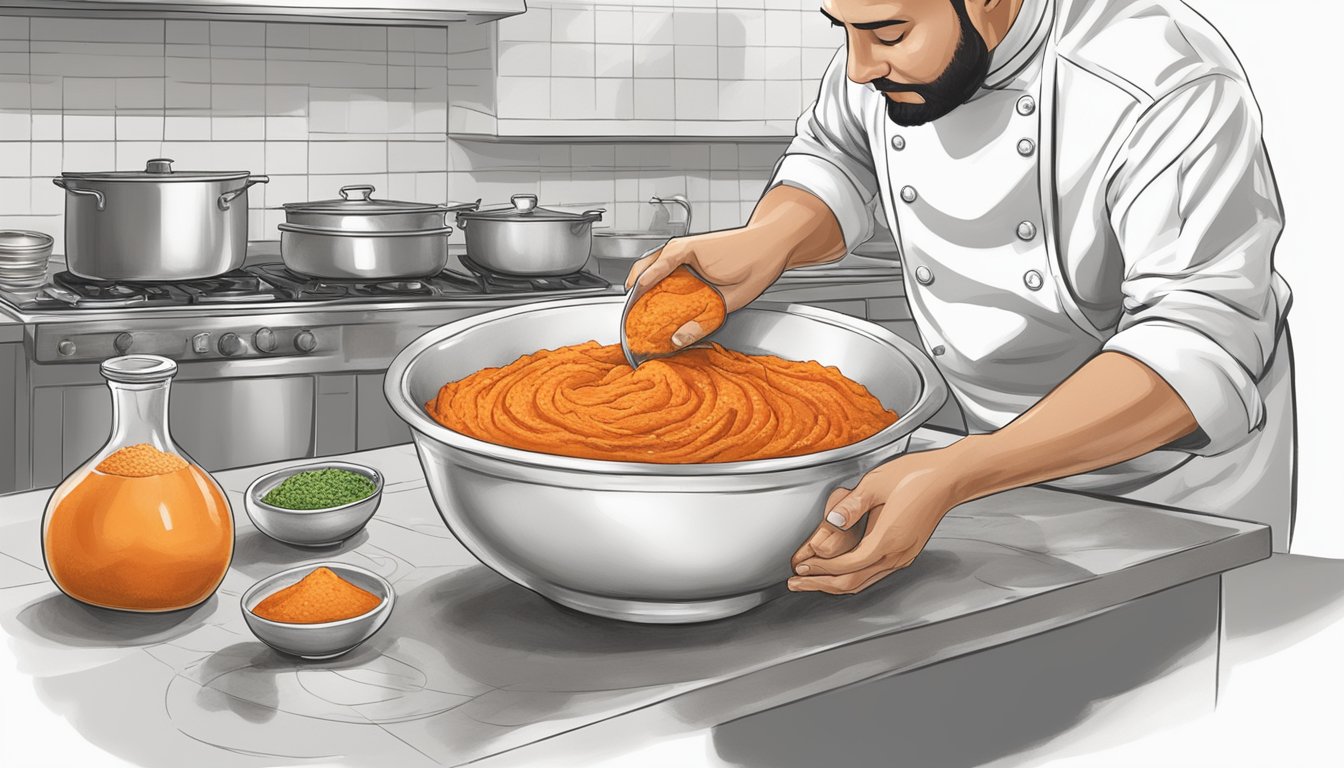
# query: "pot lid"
{"type": "Point", "coordinates": [363, 203]}
{"type": "Point", "coordinates": [525, 208]}
{"type": "Point", "coordinates": [158, 169]}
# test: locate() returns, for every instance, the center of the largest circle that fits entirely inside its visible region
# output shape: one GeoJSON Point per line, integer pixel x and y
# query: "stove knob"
{"type": "Point", "coordinates": [264, 340]}
{"type": "Point", "coordinates": [123, 342]}
{"type": "Point", "coordinates": [305, 341]}
{"type": "Point", "coordinates": [230, 345]}
{"type": "Point", "coordinates": [66, 347]}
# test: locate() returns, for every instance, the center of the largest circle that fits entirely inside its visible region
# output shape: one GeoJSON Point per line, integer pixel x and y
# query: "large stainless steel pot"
{"type": "Point", "coordinates": [364, 213]}
{"type": "Point", "coordinates": [647, 542]}
{"type": "Point", "coordinates": [155, 224]}
{"type": "Point", "coordinates": [525, 239]}
{"type": "Point", "coordinates": [348, 255]}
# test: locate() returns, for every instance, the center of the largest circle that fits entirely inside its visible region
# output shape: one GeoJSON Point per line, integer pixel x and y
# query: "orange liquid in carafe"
{"type": "Point", "coordinates": [151, 543]}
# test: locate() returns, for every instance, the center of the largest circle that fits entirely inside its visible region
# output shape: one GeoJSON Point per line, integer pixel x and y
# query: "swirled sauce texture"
{"type": "Point", "coordinates": [671, 303]}
{"type": "Point", "coordinates": [700, 406]}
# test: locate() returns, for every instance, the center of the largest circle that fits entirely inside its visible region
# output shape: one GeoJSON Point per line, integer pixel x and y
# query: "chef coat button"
{"type": "Point", "coordinates": [1026, 147]}
{"type": "Point", "coordinates": [1033, 280]}
{"type": "Point", "coordinates": [898, 142]}
{"type": "Point", "coordinates": [1026, 105]}
{"type": "Point", "coordinates": [938, 350]}
{"type": "Point", "coordinates": [908, 194]}
{"type": "Point", "coordinates": [1026, 230]}
{"type": "Point", "coordinates": [924, 275]}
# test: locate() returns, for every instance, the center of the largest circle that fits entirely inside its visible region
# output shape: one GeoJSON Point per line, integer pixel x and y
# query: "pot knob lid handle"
{"type": "Point", "coordinates": [159, 165]}
{"type": "Point", "coordinates": [524, 203]}
{"type": "Point", "coordinates": [366, 190]}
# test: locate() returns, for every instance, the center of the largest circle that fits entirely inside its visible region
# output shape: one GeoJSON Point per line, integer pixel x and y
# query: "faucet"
{"type": "Point", "coordinates": [679, 200]}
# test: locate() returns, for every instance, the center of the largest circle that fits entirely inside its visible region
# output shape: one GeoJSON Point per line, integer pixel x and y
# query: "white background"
{"type": "Point", "coordinates": [1283, 708]}
{"type": "Point", "coordinates": [1291, 51]}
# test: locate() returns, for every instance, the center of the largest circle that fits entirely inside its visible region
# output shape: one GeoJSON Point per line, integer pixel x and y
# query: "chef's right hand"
{"type": "Point", "coordinates": [736, 261]}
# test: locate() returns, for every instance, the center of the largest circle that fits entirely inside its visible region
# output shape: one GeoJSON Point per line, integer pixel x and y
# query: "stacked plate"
{"type": "Point", "coordinates": [23, 258]}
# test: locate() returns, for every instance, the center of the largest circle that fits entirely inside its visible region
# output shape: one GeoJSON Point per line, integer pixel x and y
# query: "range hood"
{"type": "Point", "coordinates": [382, 12]}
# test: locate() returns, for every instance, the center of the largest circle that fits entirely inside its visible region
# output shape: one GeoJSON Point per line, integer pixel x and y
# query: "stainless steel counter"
{"type": "Point", "coordinates": [471, 666]}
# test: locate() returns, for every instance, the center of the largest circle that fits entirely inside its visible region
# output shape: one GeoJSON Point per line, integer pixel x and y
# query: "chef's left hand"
{"type": "Point", "coordinates": [903, 501]}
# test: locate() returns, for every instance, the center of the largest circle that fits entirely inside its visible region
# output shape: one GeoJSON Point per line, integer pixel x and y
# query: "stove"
{"type": "Point", "coordinates": [273, 282]}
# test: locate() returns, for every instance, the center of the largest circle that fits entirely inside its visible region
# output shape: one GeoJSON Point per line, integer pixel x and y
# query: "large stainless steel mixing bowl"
{"type": "Point", "coordinates": [657, 543]}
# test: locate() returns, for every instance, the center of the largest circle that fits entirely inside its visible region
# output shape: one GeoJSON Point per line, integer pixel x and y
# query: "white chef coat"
{"type": "Point", "coordinates": [1107, 190]}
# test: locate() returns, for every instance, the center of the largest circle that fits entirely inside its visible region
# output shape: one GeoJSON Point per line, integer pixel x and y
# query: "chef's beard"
{"type": "Point", "coordinates": [958, 83]}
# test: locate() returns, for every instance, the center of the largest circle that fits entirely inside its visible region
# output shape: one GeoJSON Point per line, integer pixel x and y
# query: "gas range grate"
{"type": "Point", "coordinates": [70, 289]}
{"type": "Point", "coordinates": [447, 283]}
{"type": "Point", "coordinates": [303, 288]}
{"type": "Point", "coordinates": [490, 282]}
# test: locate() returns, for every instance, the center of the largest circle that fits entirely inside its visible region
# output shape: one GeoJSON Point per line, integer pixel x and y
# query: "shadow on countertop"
{"type": "Point", "coordinates": [994, 706]}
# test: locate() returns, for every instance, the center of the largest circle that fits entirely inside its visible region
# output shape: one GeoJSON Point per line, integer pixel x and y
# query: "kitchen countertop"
{"type": "Point", "coordinates": [471, 666]}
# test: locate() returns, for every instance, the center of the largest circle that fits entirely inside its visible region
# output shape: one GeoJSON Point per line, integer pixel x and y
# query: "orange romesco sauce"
{"type": "Point", "coordinates": [699, 406]}
{"type": "Point", "coordinates": [157, 537]}
{"type": "Point", "coordinates": [671, 303]}
{"type": "Point", "coordinates": [319, 597]}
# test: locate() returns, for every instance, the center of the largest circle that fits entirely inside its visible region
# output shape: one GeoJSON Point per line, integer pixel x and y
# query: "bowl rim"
{"type": "Point", "coordinates": [396, 388]}
{"type": "Point", "coordinates": [388, 596]}
{"type": "Point", "coordinates": [254, 496]}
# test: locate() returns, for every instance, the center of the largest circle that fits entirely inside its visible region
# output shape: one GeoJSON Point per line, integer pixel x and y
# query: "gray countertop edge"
{"type": "Point", "coordinates": [899, 651]}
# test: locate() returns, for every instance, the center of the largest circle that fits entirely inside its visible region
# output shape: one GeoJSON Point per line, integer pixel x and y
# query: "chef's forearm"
{"type": "Point", "coordinates": [795, 222]}
{"type": "Point", "coordinates": [1112, 409]}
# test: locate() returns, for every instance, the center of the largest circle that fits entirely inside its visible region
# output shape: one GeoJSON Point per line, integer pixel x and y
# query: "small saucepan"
{"type": "Point", "coordinates": [525, 239]}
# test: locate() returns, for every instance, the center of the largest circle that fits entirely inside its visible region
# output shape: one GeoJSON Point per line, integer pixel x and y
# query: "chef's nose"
{"type": "Point", "coordinates": [864, 64]}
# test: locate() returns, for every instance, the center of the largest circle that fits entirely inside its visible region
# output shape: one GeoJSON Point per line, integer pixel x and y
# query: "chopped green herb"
{"type": "Point", "coordinates": [320, 489]}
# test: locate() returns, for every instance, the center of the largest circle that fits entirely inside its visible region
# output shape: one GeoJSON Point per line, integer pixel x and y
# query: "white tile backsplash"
{"type": "Point", "coordinates": [655, 61]}
{"type": "Point", "coordinates": [614, 25]}
{"type": "Point", "coordinates": [697, 62]}
{"type": "Point", "coordinates": [140, 127]}
{"type": "Point", "coordinates": [15, 159]}
{"type": "Point", "coordinates": [16, 126]}
{"type": "Point", "coordinates": [572, 24]}
{"type": "Point", "coordinates": [571, 60]}
{"type": "Point", "coordinates": [320, 106]}
{"type": "Point", "coordinates": [573, 98]}
{"type": "Point", "coordinates": [612, 60]}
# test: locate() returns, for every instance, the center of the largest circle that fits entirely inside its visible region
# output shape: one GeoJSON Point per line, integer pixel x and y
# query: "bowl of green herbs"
{"type": "Point", "coordinates": [315, 505]}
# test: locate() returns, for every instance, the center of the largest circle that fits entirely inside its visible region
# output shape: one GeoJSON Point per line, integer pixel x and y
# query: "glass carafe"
{"type": "Point", "coordinates": [138, 527]}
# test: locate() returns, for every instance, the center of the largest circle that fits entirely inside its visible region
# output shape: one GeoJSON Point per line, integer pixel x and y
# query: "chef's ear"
{"type": "Point", "coordinates": [982, 15]}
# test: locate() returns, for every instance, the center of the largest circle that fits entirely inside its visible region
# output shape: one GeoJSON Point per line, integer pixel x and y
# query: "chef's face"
{"type": "Point", "coordinates": [927, 57]}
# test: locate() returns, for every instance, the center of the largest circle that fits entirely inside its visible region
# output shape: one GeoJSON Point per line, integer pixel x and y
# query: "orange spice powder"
{"type": "Point", "coordinates": [140, 460]}
{"type": "Point", "coordinates": [319, 597]}
{"type": "Point", "coordinates": [674, 301]}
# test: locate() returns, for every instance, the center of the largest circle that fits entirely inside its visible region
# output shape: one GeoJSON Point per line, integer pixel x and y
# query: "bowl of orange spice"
{"type": "Point", "coordinates": [318, 611]}
{"type": "Point", "coordinates": [673, 492]}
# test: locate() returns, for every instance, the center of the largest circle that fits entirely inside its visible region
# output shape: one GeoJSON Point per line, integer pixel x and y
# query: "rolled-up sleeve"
{"type": "Point", "coordinates": [1196, 213]}
{"type": "Point", "coordinates": [830, 156]}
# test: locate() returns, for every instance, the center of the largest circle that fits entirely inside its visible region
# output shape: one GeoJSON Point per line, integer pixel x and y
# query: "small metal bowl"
{"type": "Point", "coordinates": [311, 527]}
{"type": "Point", "coordinates": [318, 641]}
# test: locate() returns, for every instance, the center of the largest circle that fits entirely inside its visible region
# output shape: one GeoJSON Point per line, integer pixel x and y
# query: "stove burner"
{"type": "Point", "coordinates": [232, 287]}
{"type": "Point", "coordinates": [87, 292]}
{"type": "Point", "coordinates": [400, 287]}
{"type": "Point", "coordinates": [492, 282]}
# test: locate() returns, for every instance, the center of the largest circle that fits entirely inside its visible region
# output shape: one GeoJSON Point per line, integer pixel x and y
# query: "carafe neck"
{"type": "Point", "coordinates": [140, 414]}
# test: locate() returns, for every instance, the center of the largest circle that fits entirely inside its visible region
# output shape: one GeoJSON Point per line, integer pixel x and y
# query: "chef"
{"type": "Point", "coordinates": [1086, 218]}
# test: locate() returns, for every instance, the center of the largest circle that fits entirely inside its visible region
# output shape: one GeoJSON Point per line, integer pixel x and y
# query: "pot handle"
{"type": "Point", "coordinates": [234, 194]}
{"type": "Point", "coordinates": [588, 217]}
{"type": "Point", "coordinates": [367, 189]}
{"type": "Point", "coordinates": [95, 194]}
